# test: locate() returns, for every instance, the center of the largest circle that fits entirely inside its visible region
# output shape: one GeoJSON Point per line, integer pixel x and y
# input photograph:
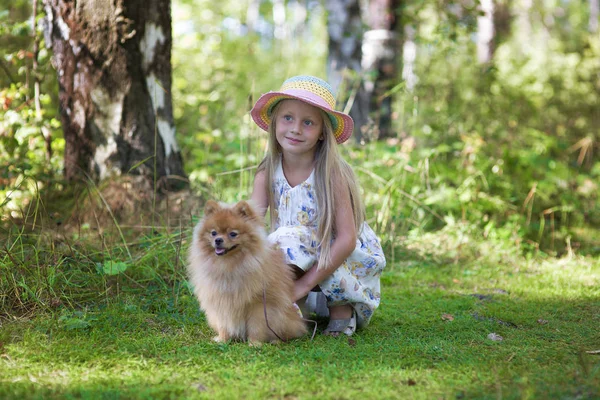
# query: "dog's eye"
{"type": "Point", "coordinates": [213, 232]}
{"type": "Point", "coordinates": [233, 234]}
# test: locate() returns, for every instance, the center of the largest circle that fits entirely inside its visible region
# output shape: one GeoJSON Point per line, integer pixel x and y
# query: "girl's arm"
{"type": "Point", "coordinates": [259, 193]}
{"type": "Point", "coordinates": [341, 248]}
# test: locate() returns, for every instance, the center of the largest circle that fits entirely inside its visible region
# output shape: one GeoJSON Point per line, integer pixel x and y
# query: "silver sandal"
{"type": "Point", "coordinates": [346, 326]}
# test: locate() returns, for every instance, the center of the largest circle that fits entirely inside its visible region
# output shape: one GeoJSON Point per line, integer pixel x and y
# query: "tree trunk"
{"type": "Point", "coordinates": [381, 46]}
{"type": "Point", "coordinates": [485, 32]}
{"type": "Point", "coordinates": [503, 19]}
{"type": "Point", "coordinates": [409, 59]}
{"type": "Point", "coordinates": [280, 27]}
{"type": "Point", "coordinates": [594, 11]}
{"type": "Point", "coordinates": [252, 15]}
{"type": "Point", "coordinates": [523, 25]}
{"type": "Point", "coordinates": [344, 26]}
{"type": "Point", "coordinates": [114, 69]}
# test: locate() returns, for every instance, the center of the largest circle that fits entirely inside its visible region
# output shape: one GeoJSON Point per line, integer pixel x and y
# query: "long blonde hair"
{"type": "Point", "coordinates": [331, 172]}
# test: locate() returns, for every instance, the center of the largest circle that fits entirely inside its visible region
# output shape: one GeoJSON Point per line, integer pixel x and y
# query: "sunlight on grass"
{"type": "Point", "coordinates": [152, 345]}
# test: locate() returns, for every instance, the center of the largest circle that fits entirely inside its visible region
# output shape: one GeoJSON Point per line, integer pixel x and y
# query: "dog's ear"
{"type": "Point", "coordinates": [211, 207]}
{"type": "Point", "coordinates": [245, 210]}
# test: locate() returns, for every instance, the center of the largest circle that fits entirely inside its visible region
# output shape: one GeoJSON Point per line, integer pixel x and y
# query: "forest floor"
{"type": "Point", "coordinates": [460, 317]}
{"type": "Point", "coordinates": [443, 330]}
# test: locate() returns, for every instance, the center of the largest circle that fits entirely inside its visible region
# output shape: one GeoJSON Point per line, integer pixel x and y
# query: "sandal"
{"type": "Point", "coordinates": [346, 326]}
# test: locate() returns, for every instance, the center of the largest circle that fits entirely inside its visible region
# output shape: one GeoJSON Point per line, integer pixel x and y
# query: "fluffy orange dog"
{"type": "Point", "coordinates": [231, 266]}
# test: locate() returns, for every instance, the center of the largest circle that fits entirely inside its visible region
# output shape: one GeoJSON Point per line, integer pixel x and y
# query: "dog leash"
{"type": "Point", "coordinates": [271, 329]}
{"type": "Point", "coordinates": [314, 330]}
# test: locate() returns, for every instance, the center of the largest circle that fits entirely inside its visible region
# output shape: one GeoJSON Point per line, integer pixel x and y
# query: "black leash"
{"type": "Point", "coordinates": [267, 319]}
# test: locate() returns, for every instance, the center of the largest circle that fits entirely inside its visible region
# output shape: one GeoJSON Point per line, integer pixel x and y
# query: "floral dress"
{"type": "Point", "coordinates": [356, 281]}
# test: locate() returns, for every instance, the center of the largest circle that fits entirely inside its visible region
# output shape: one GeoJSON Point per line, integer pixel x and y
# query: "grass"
{"type": "Point", "coordinates": [94, 304]}
{"type": "Point", "coordinates": [429, 338]}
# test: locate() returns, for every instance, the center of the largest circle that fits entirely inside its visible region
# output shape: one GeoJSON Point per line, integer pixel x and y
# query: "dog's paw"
{"type": "Point", "coordinates": [219, 339]}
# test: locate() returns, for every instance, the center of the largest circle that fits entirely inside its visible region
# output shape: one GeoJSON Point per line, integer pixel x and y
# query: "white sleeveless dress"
{"type": "Point", "coordinates": [356, 281]}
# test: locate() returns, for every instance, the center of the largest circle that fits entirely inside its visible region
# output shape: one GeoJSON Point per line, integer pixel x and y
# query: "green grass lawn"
{"type": "Point", "coordinates": [429, 339]}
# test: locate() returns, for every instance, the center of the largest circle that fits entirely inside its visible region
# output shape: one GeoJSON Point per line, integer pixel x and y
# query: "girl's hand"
{"type": "Point", "coordinates": [304, 284]}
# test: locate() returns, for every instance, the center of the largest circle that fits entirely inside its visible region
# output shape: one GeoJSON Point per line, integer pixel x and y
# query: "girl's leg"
{"type": "Point", "coordinates": [340, 312]}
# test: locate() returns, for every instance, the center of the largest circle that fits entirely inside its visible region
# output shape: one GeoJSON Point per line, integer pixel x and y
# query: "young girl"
{"type": "Point", "coordinates": [317, 215]}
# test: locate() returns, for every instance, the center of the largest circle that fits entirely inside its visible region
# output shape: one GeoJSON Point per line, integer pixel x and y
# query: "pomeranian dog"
{"type": "Point", "coordinates": [238, 275]}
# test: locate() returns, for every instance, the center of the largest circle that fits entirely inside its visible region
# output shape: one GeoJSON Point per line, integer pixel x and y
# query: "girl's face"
{"type": "Point", "coordinates": [299, 127]}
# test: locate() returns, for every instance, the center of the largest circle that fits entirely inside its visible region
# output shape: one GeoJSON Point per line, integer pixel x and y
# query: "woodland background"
{"type": "Point", "coordinates": [477, 150]}
{"type": "Point", "coordinates": [484, 114]}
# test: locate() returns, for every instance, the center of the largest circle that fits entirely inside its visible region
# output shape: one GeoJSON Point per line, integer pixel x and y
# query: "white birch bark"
{"type": "Point", "coordinates": [485, 32]}
{"type": "Point", "coordinates": [594, 12]}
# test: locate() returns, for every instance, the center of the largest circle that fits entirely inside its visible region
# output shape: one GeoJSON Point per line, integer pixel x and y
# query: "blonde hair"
{"type": "Point", "coordinates": [331, 172]}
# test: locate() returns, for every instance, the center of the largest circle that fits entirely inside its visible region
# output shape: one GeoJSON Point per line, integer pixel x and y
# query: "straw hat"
{"type": "Point", "coordinates": [308, 89]}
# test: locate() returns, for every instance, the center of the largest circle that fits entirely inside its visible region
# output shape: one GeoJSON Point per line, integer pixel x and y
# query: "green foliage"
{"type": "Point", "coordinates": [76, 320]}
{"type": "Point", "coordinates": [510, 143]}
{"type": "Point", "coordinates": [31, 143]}
{"type": "Point", "coordinates": [112, 267]}
{"type": "Point", "coordinates": [46, 270]}
{"type": "Point", "coordinates": [218, 74]}
{"type": "Point", "coordinates": [508, 146]}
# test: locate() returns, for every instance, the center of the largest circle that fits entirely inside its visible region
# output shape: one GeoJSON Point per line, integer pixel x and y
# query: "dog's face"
{"type": "Point", "coordinates": [225, 230]}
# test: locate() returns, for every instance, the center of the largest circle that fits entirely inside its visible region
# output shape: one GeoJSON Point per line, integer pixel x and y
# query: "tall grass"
{"type": "Point", "coordinates": [59, 256]}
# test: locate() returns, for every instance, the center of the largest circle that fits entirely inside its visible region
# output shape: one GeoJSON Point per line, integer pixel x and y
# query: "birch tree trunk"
{"type": "Point", "coordinates": [485, 32]}
{"type": "Point", "coordinates": [381, 47]}
{"type": "Point", "coordinates": [409, 59]}
{"type": "Point", "coordinates": [113, 60]}
{"type": "Point", "coordinates": [344, 71]}
{"type": "Point", "coordinates": [280, 30]}
{"type": "Point", "coordinates": [252, 15]}
{"type": "Point", "coordinates": [594, 11]}
{"type": "Point", "coordinates": [524, 30]}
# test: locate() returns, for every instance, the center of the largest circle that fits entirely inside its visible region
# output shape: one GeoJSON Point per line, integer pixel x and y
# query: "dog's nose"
{"type": "Point", "coordinates": [219, 241]}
